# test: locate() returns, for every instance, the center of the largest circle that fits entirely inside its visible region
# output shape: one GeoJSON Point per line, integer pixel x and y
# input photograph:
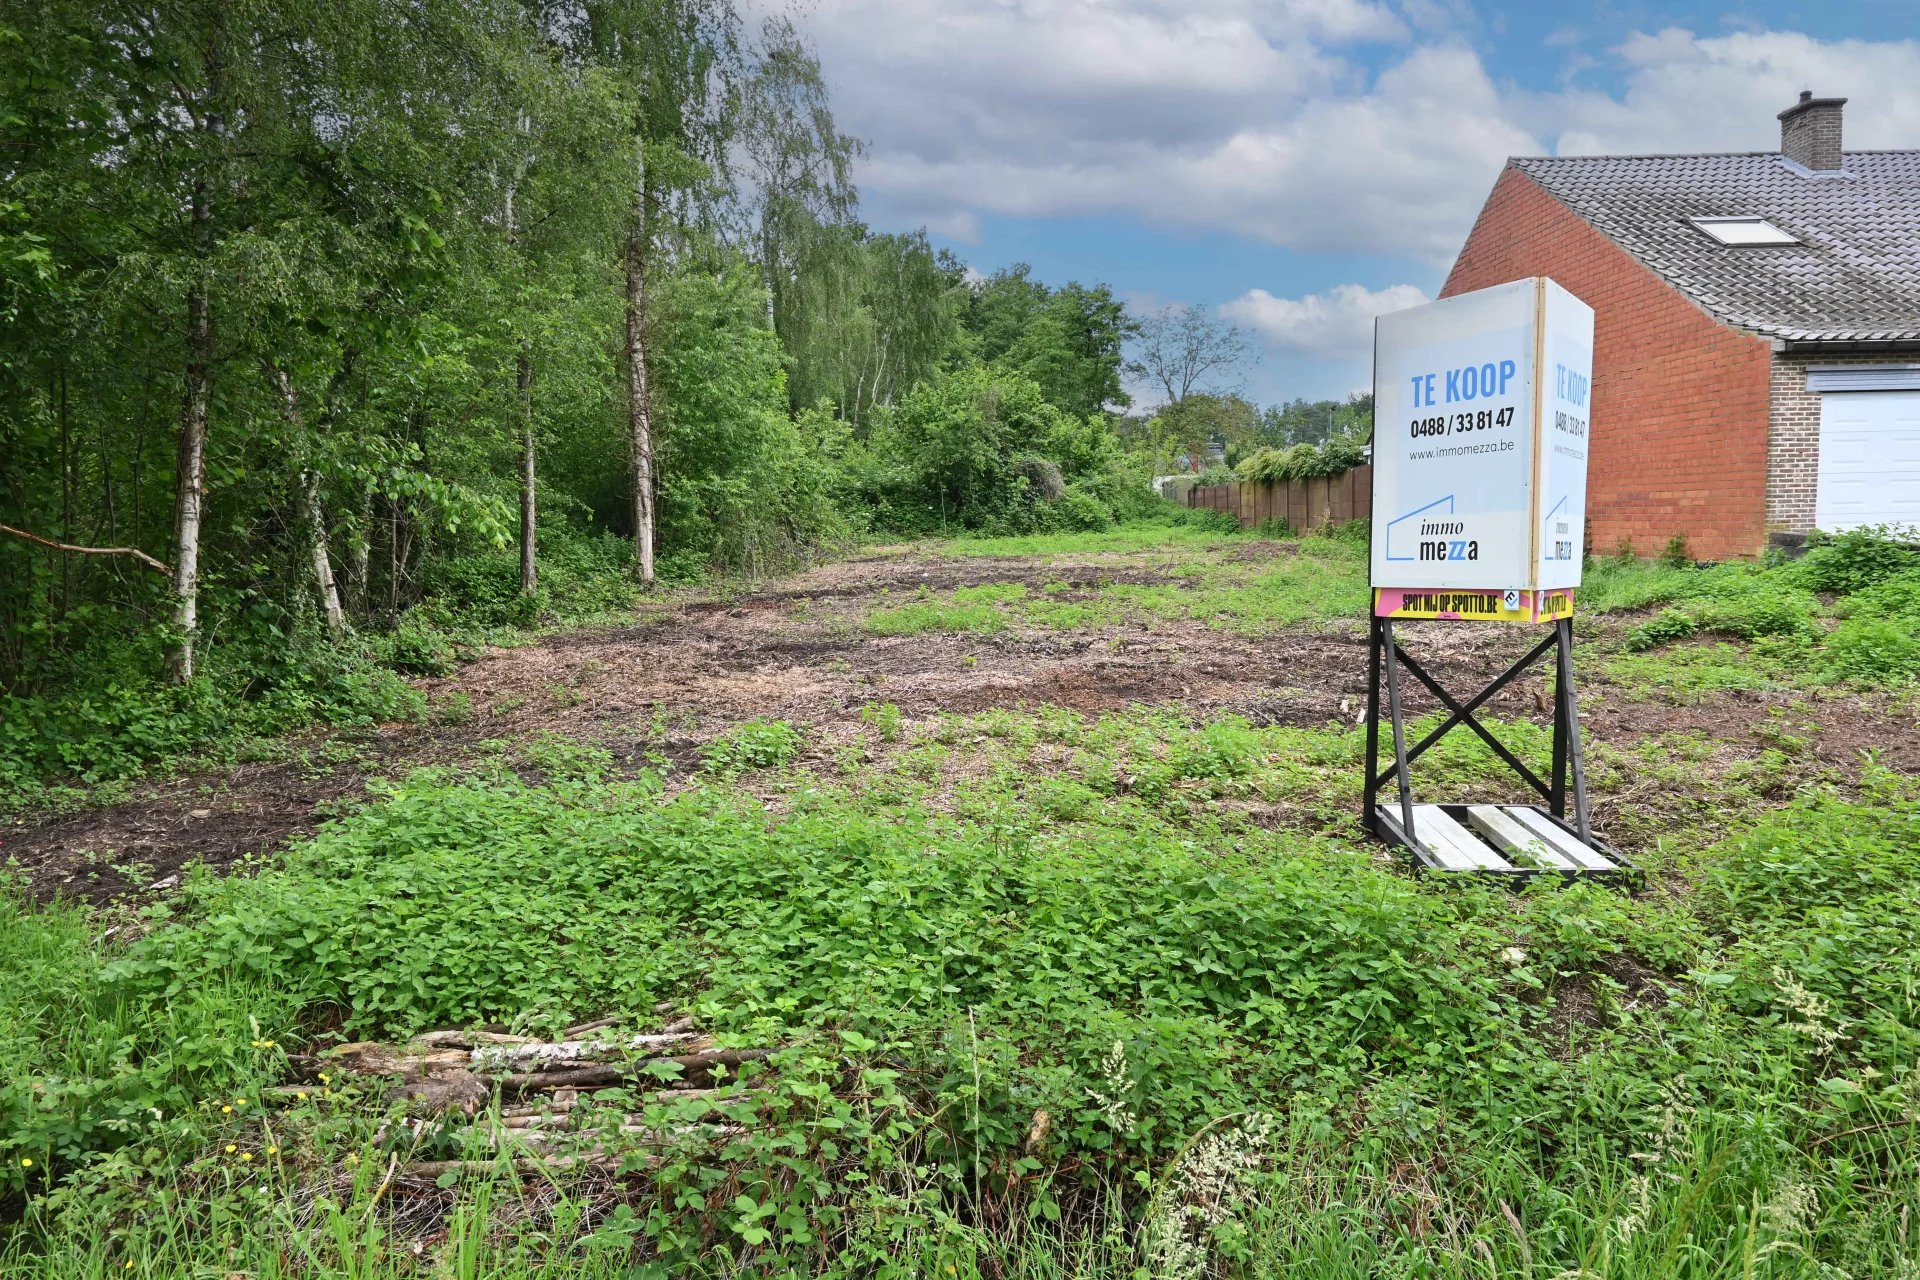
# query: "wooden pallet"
{"type": "Point", "coordinates": [1499, 839]}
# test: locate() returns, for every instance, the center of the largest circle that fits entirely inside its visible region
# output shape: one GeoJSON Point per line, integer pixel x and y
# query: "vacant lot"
{"type": "Point", "coordinates": [1035, 865]}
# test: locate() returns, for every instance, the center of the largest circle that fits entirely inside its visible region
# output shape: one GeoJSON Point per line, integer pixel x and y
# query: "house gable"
{"type": "Point", "coordinates": [1680, 413]}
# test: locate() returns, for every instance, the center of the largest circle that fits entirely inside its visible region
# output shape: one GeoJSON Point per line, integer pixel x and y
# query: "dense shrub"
{"type": "Point", "coordinates": [1081, 512]}
{"type": "Point", "coordinates": [120, 722]}
{"type": "Point", "coordinates": [1853, 561]}
{"type": "Point", "coordinates": [581, 576]}
{"type": "Point", "coordinates": [1890, 597]}
{"type": "Point", "coordinates": [1303, 461]}
{"type": "Point", "coordinates": [1873, 651]}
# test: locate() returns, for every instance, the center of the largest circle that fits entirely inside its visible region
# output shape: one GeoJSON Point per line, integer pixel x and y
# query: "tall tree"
{"type": "Point", "coordinates": [1189, 349]}
{"type": "Point", "coordinates": [1071, 340]}
{"type": "Point", "coordinates": [870, 317]}
{"type": "Point", "coordinates": [799, 163]}
{"type": "Point", "coordinates": [681, 64]}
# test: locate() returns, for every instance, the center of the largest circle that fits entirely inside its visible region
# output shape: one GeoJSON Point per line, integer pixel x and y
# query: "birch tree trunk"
{"type": "Point", "coordinates": [190, 463]}
{"type": "Point", "coordinates": [639, 409]}
{"type": "Point", "coordinates": [190, 470]}
{"type": "Point", "coordinates": [523, 386]}
{"type": "Point", "coordinates": [360, 554]}
{"type": "Point", "coordinates": [529, 564]}
{"type": "Point", "coordinates": [326, 590]}
{"type": "Point", "coordinates": [323, 581]}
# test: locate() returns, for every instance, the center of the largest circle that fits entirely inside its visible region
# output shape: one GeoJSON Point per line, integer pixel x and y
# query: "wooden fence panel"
{"type": "Point", "coordinates": [1303, 504]}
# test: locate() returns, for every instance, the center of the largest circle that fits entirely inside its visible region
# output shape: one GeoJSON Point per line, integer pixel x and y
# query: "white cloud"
{"type": "Point", "coordinates": [1261, 119]}
{"type": "Point", "coordinates": [1338, 322]}
{"type": "Point", "coordinates": [1721, 93]}
{"type": "Point", "coordinates": [957, 224]}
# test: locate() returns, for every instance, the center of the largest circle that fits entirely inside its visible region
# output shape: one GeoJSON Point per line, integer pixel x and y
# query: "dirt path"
{"type": "Point", "coordinates": [695, 664]}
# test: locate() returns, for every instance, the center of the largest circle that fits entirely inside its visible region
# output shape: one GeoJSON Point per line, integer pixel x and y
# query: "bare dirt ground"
{"type": "Point", "coordinates": [694, 664]}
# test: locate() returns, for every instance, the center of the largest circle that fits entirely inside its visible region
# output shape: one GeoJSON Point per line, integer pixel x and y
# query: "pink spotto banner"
{"type": "Point", "coordinates": [1473, 606]}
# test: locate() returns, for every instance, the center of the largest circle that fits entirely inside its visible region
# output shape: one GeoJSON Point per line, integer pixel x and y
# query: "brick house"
{"type": "Point", "coordinates": [1756, 330]}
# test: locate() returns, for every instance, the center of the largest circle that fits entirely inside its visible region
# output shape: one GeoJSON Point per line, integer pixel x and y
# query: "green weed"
{"type": "Point", "coordinates": [754, 744]}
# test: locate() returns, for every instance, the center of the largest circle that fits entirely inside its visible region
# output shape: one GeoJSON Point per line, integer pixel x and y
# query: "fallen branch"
{"type": "Point", "coordinates": [537, 1056]}
{"type": "Point", "coordinates": [598, 1024]}
{"type": "Point", "coordinates": [467, 1039]}
{"type": "Point", "coordinates": [528, 1167]}
{"type": "Point", "coordinates": [135, 552]}
{"type": "Point", "coordinates": [605, 1074]}
{"type": "Point", "coordinates": [385, 1182]}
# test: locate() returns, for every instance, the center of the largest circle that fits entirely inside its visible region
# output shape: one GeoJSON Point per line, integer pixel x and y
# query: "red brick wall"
{"type": "Point", "coordinates": [1679, 399]}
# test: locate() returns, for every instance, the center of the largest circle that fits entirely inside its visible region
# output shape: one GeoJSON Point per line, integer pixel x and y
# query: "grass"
{"type": "Point", "coordinates": [1127, 539]}
{"type": "Point", "coordinates": [1310, 579]}
{"type": "Point", "coordinates": [1061, 995]}
{"type": "Point", "coordinates": [1405, 1037]}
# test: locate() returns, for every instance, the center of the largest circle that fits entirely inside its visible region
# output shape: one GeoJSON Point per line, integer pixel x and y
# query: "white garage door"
{"type": "Point", "coordinates": [1869, 459]}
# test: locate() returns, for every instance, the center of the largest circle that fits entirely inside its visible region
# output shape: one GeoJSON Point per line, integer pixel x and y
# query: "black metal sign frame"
{"type": "Point", "coordinates": [1567, 772]}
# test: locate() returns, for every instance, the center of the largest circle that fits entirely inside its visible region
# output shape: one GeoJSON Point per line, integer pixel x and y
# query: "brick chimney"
{"type": "Point", "coordinates": [1810, 132]}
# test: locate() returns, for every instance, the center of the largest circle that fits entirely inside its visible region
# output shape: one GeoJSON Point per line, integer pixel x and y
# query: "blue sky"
{"type": "Point", "coordinates": [1305, 164]}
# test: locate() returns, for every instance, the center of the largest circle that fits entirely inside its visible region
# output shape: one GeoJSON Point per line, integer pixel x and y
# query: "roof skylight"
{"type": "Point", "coordinates": [1744, 231]}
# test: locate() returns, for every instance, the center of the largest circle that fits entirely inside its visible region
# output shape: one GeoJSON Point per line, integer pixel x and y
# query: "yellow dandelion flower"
{"type": "Point", "coordinates": [325, 1078]}
{"type": "Point", "coordinates": [226, 1111]}
{"type": "Point", "coordinates": [246, 1155]}
{"type": "Point", "coordinates": [301, 1094]}
{"type": "Point", "coordinates": [239, 1102]}
{"type": "Point", "coordinates": [231, 1148]}
{"type": "Point", "coordinates": [273, 1151]}
{"type": "Point", "coordinates": [26, 1162]}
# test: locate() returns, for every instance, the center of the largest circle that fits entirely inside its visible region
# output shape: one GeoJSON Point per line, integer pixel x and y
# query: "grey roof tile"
{"type": "Point", "coordinates": [1855, 276]}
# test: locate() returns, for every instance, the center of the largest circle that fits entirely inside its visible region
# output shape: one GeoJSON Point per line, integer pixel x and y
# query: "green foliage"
{"type": "Point", "coordinates": [1081, 512]}
{"type": "Point", "coordinates": [755, 744]}
{"type": "Point", "coordinates": [1873, 651]}
{"type": "Point", "coordinates": [582, 576]}
{"type": "Point", "coordinates": [119, 724]}
{"type": "Point", "coordinates": [1773, 604]}
{"type": "Point", "coordinates": [1093, 923]}
{"type": "Point", "coordinates": [1302, 462]}
{"type": "Point", "coordinates": [1068, 945]}
{"type": "Point", "coordinates": [1068, 340]}
{"type": "Point", "coordinates": [1894, 596]}
{"type": "Point", "coordinates": [1854, 561]}
{"type": "Point", "coordinates": [884, 717]}
{"type": "Point", "coordinates": [86, 1068]}
{"type": "Point", "coordinates": [982, 449]}
{"type": "Point", "coordinates": [1818, 904]}
{"type": "Point", "coordinates": [742, 488]}
{"type": "Point", "coordinates": [1668, 626]}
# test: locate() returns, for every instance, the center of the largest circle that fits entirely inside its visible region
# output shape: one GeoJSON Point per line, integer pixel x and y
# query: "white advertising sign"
{"type": "Point", "coordinates": [1481, 410]}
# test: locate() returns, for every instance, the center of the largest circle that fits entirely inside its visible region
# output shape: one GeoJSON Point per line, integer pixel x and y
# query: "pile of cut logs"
{"type": "Point", "coordinates": [544, 1121]}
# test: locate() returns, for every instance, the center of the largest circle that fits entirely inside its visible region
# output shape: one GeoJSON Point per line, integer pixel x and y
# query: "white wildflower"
{"type": "Point", "coordinates": [1113, 1102]}
{"type": "Point", "coordinates": [1817, 1023]}
{"type": "Point", "coordinates": [1203, 1192]}
{"type": "Point", "coordinates": [1669, 1137]}
{"type": "Point", "coordinates": [1789, 1210]}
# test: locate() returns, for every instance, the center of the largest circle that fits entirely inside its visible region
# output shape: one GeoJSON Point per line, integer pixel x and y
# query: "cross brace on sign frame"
{"type": "Point", "coordinates": [1502, 840]}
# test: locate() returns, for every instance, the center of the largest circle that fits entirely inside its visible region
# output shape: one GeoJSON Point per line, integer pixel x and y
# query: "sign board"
{"type": "Point", "coordinates": [1511, 605]}
{"type": "Point", "coordinates": [1481, 414]}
